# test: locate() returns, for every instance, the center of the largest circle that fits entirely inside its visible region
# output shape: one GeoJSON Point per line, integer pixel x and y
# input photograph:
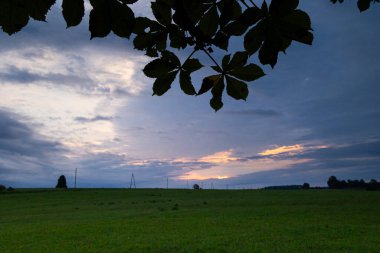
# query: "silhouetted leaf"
{"type": "Point", "coordinates": [100, 20]}
{"type": "Point", "coordinates": [141, 24]}
{"type": "Point", "coordinates": [230, 10]}
{"type": "Point", "coordinates": [249, 72]}
{"type": "Point", "coordinates": [186, 84]}
{"type": "Point", "coordinates": [221, 40]}
{"type": "Point", "coordinates": [239, 59]}
{"type": "Point", "coordinates": [268, 53]}
{"type": "Point", "coordinates": [38, 9]}
{"type": "Point", "coordinates": [110, 15]}
{"type": "Point", "coordinates": [226, 61]}
{"type": "Point", "coordinates": [217, 69]}
{"type": "Point", "coordinates": [192, 65]}
{"type": "Point", "coordinates": [143, 41]}
{"type": "Point", "coordinates": [209, 22]}
{"type": "Point", "coordinates": [235, 28]}
{"type": "Point", "coordinates": [296, 26]}
{"type": "Point", "coordinates": [73, 11]}
{"type": "Point", "coordinates": [217, 92]}
{"type": "Point", "coordinates": [264, 8]}
{"type": "Point", "coordinates": [14, 15]}
{"type": "Point", "coordinates": [208, 83]}
{"type": "Point", "coordinates": [170, 59]}
{"type": "Point", "coordinates": [236, 88]}
{"type": "Point", "coordinates": [193, 9]}
{"type": "Point", "coordinates": [363, 4]}
{"type": "Point", "coordinates": [251, 16]}
{"type": "Point", "coordinates": [163, 83]}
{"type": "Point", "coordinates": [162, 12]}
{"type": "Point", "coordinates": [299, 19]}
{"type": "Point", "coordinates": [282, 7]}
{"type": "Point", "coordinates": [285, 44]}
{"type": "Point", "coordinates": [177, 38]}
{"type": "Point", "coordinates": [216, 103]}
{"type": "Point", "coordinates": [122, 19]}
{"type": "Point", "coordinates": [158, 68]}
{"type": "Point", "coordinates": [254, 38]}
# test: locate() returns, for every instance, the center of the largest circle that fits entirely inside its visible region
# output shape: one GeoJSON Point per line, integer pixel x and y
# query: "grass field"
{"type": "Point", "coordinates": [156, 220]}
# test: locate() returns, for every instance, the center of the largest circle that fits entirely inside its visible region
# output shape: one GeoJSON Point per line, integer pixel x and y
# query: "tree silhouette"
{"type": "Point", "coordinates": [201, 25]}
{"type": "Point", "coordinates": [196, 187]}
{"type": "Point", "coordinates": [61, 182]}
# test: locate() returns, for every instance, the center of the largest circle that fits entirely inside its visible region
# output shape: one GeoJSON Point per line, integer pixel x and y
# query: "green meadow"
{"type": "Point", "coordinates": [160, 220]}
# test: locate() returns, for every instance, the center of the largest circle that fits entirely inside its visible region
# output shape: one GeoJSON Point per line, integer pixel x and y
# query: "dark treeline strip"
{"type": "Point", "coordinates": [334, 183]}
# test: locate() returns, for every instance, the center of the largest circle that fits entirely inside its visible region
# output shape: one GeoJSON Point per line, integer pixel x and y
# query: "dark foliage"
{"type": "Point", "coordinates": [196, 187]}
{"type": "Point", "coordinates": [200, 26]}
{"type": "Point", "coordinates": [61, 182]}
{"type": "Point", "coordinates": [334, 183]}
{"type": "Point", "coordinates": [306, 186]}
{"type": "Point", "coordinates": [10, 189]}
{"type": "Point", "coordinates": [2, 188]}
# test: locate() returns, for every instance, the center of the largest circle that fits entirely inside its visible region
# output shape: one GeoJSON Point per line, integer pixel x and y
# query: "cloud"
{"type": "Point", "coordinates": [27, 158]}
{"type": "Point", "coordinates": [219, 157]}
{"type": "Point", "coordinates": [282, 149]}
{"type": "Point", "coordinates": [94, 119]}
{"type": "Point", "coordinates": [19, 138]}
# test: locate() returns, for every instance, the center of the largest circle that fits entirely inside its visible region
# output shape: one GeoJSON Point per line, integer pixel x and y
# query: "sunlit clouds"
{"type": "Point", "coordinates": [59, 90]}
{"type": "Point", "coordinates": [226, 164]}
{"type": "Point", "coordinates": [219, 157]}
{"type": "Point", "coordinates": [282, 149]}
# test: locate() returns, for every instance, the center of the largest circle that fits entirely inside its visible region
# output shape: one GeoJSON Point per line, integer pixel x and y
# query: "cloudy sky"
{"type": "Point", "coordinates": [67, 102]}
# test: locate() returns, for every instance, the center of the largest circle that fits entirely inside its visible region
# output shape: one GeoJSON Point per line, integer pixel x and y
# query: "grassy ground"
{"type": "Point", "coordinates": [153, 220]}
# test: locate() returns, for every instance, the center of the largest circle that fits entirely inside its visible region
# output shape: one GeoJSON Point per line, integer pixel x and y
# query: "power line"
{"type": "Point", "coordinates": [133, 182]}
{"type": "Point", "coordinates": [75, 179]}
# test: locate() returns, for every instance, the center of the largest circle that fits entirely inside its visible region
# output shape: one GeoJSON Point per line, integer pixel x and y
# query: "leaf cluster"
{"type": "Point", "coordinates": [199, 26]}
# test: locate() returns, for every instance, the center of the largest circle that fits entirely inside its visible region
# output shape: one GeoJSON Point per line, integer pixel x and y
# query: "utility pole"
{"type": "Point", "coordinates": [187, 184]}
{"type": "Point", "coordinates": [133, 182]}
{"type": "Point", "coordinates": [167, 182]}
{"type": "Point", "coordinates": [212, 186]}
{"type": "Point", "coordinates": [75, 179]}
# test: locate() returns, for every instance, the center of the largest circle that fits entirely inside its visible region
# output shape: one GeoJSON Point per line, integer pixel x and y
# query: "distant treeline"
{"type": "Point", "coordinates": [290, 187]}
{"type": "Point", "coordinates": [334, 183]}
{"type": "Point", "coordinates": [283, 187]}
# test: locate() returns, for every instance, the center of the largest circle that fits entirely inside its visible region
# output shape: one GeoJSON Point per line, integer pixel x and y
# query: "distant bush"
{"type": "Point", "coordinates": [196, 187]}
{"type": "Point", "coordinates": [10, 189]}
{"type": "Point", "coordinates": [306, 186]}
{"type": "Point", "coordinates": [61, 182]}
{"type": "Point", "coordinates": [2, 188]}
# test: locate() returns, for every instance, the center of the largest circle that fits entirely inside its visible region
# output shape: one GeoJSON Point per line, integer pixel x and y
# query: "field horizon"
{"type": "Point", "coordinates": [179, 220]}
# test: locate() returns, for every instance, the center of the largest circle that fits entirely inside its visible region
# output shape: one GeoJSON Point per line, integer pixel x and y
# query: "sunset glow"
{"type": "Point", "coordinates": [219, 157]}
{"type": "Point", "coordinates": [283, 149]}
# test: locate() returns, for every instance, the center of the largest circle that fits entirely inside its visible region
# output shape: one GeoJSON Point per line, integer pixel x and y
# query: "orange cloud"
{"type": "Point", "coordinates": [283, 149]}
{"type": "Point", "coordinates": [219, 157]}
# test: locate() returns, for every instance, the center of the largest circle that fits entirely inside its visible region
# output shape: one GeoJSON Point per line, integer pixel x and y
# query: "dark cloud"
{"type": "Point", "coordinates": [19, 138]}
{"type": "Point", "coordinates": [26, 158]}
{"type": "Point", "coordinates": [14, 74]}
{"type": "Point", "coordinates": [94, 119]}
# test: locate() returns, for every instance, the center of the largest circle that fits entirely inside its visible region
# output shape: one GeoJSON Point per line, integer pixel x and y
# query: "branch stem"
{"type": "Point", "coordinates": [253, 3]}
{"type": "Point", "coordinates": [244, 3]}
{"type": "Point", "coordinates": [212, 58]}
